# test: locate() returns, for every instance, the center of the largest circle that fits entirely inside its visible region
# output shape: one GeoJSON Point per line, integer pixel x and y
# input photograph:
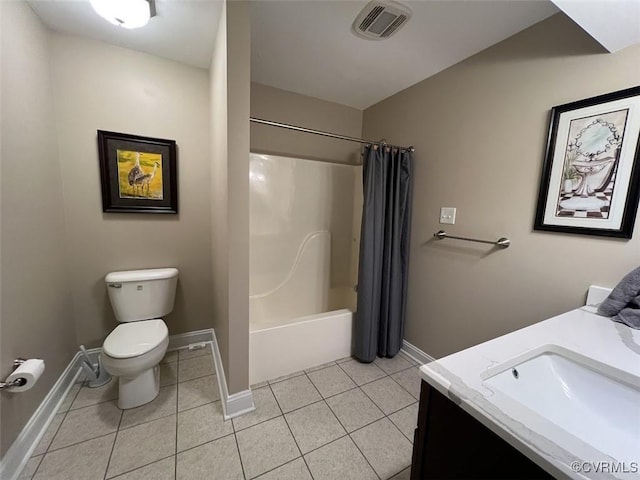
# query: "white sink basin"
{"type": "Point", "coordinates": [593, 402]}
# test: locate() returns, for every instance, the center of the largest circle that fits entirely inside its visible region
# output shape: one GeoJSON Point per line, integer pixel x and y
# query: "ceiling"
{"type": "Point", "coordinates": [306, 46]}
{"type": "Point", "coordinates": [182, 30]}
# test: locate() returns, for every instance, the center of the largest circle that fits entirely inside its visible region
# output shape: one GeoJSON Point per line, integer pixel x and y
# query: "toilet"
{"type": "Point", "coordinates": [133, 350]}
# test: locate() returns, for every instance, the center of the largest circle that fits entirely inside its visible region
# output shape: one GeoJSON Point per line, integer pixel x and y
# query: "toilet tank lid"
{"type": "Point", "coordinates": [141, 275]}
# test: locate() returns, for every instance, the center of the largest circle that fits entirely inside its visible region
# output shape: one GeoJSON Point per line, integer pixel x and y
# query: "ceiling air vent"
{"type": "Point", "coordinates": [379, 20]}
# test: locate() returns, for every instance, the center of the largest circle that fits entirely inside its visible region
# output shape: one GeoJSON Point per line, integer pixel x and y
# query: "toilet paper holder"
{"type": "Point", "coordinates": [18, 382]}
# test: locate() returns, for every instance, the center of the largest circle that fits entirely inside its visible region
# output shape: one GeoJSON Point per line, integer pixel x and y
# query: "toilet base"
{"type": "Point", "coordinates": [138, 390]}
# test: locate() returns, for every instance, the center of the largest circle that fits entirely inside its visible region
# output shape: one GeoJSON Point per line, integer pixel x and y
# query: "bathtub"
{"type": "Point", "coordinates": [300, 284]}
{"type": "Point", "coordinates": [299, 344]}
{"type": "Point", "coordinates": [293, 325]}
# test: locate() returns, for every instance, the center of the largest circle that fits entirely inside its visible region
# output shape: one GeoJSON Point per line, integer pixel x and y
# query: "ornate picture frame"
{"type": "Point", "coordinates": [138, 174]}
{"type": "Point", "coordinates": [591, 177]}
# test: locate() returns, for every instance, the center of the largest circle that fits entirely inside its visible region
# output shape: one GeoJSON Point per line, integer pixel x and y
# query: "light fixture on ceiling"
{"type": "Point", "coordinates": [125, 13]}
{"type": "Point", "coordinates": [380, 19]}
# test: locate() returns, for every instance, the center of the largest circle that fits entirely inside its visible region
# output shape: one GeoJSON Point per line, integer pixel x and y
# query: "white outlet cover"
{"type": "Point", "coordinates": [448, 215]}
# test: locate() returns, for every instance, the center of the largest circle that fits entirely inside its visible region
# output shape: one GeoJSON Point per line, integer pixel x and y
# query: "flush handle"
{"type": "Point", "coordinates": [115, 285]}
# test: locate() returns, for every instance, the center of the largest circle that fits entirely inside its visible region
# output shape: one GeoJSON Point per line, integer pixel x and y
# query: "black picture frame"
{"type": "Point", "coordinates": [590, 179]}
{"type": "Point", "coordinates": [138, 174]}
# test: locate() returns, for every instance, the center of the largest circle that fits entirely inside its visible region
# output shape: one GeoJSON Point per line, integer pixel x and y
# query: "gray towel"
{"type": "Point", "coordinates": [623, 303]}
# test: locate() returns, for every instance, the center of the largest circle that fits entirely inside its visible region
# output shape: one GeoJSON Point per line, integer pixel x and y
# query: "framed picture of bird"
{"type": "Point", "coordinates": [138, 174]}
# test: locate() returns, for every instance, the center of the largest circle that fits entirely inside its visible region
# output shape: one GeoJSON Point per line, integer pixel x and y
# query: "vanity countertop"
{"type": "Point", "coordinates": [460, 377]}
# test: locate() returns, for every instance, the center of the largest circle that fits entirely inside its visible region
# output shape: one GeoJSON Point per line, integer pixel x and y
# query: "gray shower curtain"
{"type": "Point", "coordinates": [384, 253]}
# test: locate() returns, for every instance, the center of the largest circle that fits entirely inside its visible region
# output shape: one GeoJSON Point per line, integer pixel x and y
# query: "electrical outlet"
{"type": "Point", "coordinates": [448, 215]}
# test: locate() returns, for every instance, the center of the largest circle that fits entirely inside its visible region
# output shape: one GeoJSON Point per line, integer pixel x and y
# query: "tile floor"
{"type": "Point", "coordinates": [340, 421]}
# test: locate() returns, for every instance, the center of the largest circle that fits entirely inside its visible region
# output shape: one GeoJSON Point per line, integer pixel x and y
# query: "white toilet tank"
{"type": "Point", "coordinates": [142, 294]}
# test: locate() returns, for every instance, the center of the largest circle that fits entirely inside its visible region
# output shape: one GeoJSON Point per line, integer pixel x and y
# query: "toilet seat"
{"type": "Point", "coordinates": [133, 339]}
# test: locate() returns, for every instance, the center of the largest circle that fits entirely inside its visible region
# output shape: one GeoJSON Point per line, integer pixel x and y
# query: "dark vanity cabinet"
{"type": "Point", "coordinates": [450, 443]}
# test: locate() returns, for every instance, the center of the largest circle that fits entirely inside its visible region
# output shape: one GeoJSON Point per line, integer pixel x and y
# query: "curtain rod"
{"type": "Point", "coordinates": [325, 134]}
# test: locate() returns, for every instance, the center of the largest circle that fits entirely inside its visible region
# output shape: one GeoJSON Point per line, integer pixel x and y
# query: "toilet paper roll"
{"type": "Point", "coordinates": [30, 371]}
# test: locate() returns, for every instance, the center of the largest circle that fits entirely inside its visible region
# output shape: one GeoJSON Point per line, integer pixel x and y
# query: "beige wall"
{"type": "Point", "coordinates": [230, 84]}
{"type": "Point", "coordinates": [98, 86]}
{"type": "Point", "coordinates": [35, 314]}
{"type": "Point", "coordinates": [282, 106]}
{"type": "Point", "coordinates": [238, 90]}
{"type": "Point", "coordinates": [219, 190]}
{"type": "Point", "coordinates": [479, 129]}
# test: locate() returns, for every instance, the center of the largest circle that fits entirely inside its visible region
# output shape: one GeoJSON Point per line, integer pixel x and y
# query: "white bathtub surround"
{"type": "Point", "coordinates": [574, 408]}
{"type": "Point", "coordinates": [300, 235]}
{"type": "Point", "coordinates": [301, 294]}
{"type": "Point", "coordinates": [275, 351]}
{"type": "Point", "coordinates": [305, 288]}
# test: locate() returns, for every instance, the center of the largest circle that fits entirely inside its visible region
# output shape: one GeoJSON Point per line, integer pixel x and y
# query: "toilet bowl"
{"type": "Point", "coordinates": [134, 349]}
{"type": "Point", "coordinates": [132, 352]}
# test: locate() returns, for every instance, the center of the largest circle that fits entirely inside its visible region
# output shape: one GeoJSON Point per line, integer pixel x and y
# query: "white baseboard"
{"type": "Point", "coordinates": [185, 339]}
{"type": "Point", "coordinates": [239, 404]}
{"type": "Point", "coordinates": [232, 405]}
{"type": "Point", "coordinates": [18, 455]}
{"type": "Point", "coordinates": [415, 353]}
{"type": "Point", "coordinates": [22, 447]}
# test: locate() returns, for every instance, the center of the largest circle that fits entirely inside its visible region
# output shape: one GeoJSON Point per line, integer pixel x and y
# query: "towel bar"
{"type": "Point", "coordinates": [500, 243]}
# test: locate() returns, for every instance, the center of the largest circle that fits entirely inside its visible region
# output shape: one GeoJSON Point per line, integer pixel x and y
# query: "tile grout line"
{"type": "Point", "coordinates": [70, 409]}
{"type": "Point", "coordinates": [139, 467]}
{"type": "Point", "coordinates": [234, 430]}
{"type": "Point", "coordinates": [289, 428]}
{"type": "Point", "coordinates": [383, 413]}
{"type": "Point", "coordinates": [390, 421]}
{"type": "Point", "coordinates": [340, 393]}
{"type": "Point", "coordinates": [365, 383]}
{"type": "Point", "coordinates": [314, 385]}
{"type": "Point", "coordinates": [347, 434]}
{"type": "Point", "coordinates": [281, 414]}
{"type": "Point", "coordinates": [294, 439]}
{"type": "Point", "coordinates": [322, 399]}
{"type": "Point", "coordinates": [308, 468]}
{"type": "Point", "coordinates": [94, 404]}
{"type": "Point", "coordinates": [175, 455]}
{"type": "Point", "coordinates": [319, 368]}
{"type": "Point", "coordinates": [48, 448]}
{"type": "Point", "coordinates": [391, 377]}
{"type": "Point", "coordinates": [121, 429]}
{"type": "Point", "coordinates": [395, 411]}
{"type": "Point", "coordinates": [37, 466]}
{"type": "Point", "coordinates": [51, 450]}
{"type": "Point", "coordinates": [361, 427]}
{"type": "Point", "coordinates": [398, 428]}
{"type": "Point", "coordinates": [287, 463]}
{"type": "Point", "coordinates": [199, 445]}
{"type": "Point", "coordinates": [364, 456]}
{"type": "Point", "coordinates": [235, 437]}
{"type": "Point", "coordinates": [113, 447]}
{"type": "Point", "coordinates": [327, 405]}
{"type": "Point", "coordinates": [275, 468]}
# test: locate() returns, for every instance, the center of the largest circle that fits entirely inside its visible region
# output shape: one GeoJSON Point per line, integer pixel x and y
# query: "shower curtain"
{"type": "Point", "coordinates": [384, 252]}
